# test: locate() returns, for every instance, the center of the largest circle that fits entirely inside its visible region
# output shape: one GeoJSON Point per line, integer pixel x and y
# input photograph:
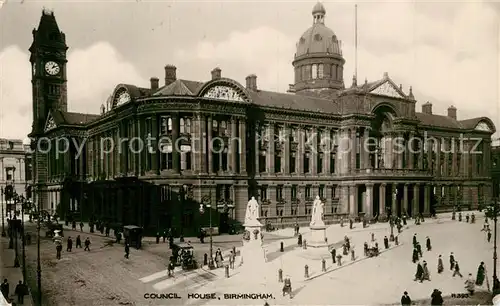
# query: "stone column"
{"type": "Point", "coordinates": [270, 148]}
{"type": "Point", "coordinates": [344, 199]}
{"type": "Point", "coordinates": [454, 149]}
{"type": "Point", "coordinates": [427, 200]}
{"type": "Point", "coordinates": [2, 170]}
{"type": "Point", "coordinates": [234, 145]}
{"type": "Point", "coordinates": [354, 149]}
{"type": "Point", "coordinates": [446, 157]}
{"type": "Point", "coordinates": [175, 135]}
{"type": "Point", "coordinates": [353, 200]}
{"type": "Point", "coordinates": [466, 159]}
{"type": "Point", "coordinates": [209, 150]}
{"type": "Point", "coordinates": [473, 159]}
{"type": "Point", "coordinates": [421, 155]}
{"type": "Point", "coordinates": [329, 196]}
{"type": "Point", "coordinates": [243, 146]}
{"type": "Point", "coordinates": [486, 158]}
{"type": "Point", "coordinates": [285, 156]}
{"type": "Point", "coordinates": [368, 210]}
{"type": "Point", "coordinates": [381, 209]}
{"type": "Point", "coordinates": [410, 148]}
{"type": "Point", "coordinates": [314, 151]}
{"type": "Point", "coordinates": [394, 207]}
{"type": "Point", "coordinates": [430, 150]}
{"type": "Point", "coordinates": [438, 172]}
{"type": "Point", "coordinates": [300, 151]}
{"type": "Point", "coordinates": [406, 207]}
{"type": "Point", "coordinates": [416, 200]}
{"type": "Point", "coordinates": [399, 154]}
{"type": "Point", "coordinates": [327, 157]}
{"type": "Point", "coordinates": [287, 195]}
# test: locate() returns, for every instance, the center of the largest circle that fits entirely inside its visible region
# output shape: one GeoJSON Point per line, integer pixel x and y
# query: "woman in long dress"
{"type": "Point", "coordinates": [440, 265]}
{"type": "Point", "coordinates": [480, 275]}
{"type": "Point", "coordinates": [426, 275]}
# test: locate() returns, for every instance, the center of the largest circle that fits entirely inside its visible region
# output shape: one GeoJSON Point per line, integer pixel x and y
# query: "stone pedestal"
{"type": "Point", "coordinates": [318, 236]}
{"type": "Point", "coordinates": [252, 252]}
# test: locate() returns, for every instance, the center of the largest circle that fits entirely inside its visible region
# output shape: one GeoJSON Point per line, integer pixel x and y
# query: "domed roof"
{"type": "Point", "coordinates": [318, 38]}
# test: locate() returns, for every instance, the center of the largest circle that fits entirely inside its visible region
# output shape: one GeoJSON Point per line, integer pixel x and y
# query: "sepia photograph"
{"type": "Point", "coordinates": [249, 152]}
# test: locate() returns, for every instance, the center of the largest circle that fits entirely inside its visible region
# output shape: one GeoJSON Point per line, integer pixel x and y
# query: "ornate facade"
{"type": "Point", "coordinates": [235, 142]}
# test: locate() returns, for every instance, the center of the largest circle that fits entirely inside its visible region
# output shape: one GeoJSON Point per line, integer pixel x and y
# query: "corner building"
{"type": "Point", "coordinates": [293, 145]}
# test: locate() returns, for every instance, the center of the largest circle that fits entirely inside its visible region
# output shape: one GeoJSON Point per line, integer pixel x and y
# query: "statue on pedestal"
{"type": "Point", "coordinates": [317, 213]}
{"type": "Point", "coordinates": [252, 213]}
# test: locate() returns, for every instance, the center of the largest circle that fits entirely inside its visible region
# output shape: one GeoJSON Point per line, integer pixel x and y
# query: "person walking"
{"type": "Point", "coordinates": [81, 226]}
{"type": "Point", "coordinates": [440, 265]}
{"type": "Point", "coordinates": [5, 288]}
{"type": "Point", "coordinates": [69, 245]}
{"type": "Point", "coordinates": [78, 242]}
{"type": "Point", "coordinates": [405, 299]}
{"type": "Point", "coordinates": [58, 250]}
{"type": "Point", "coordinates": [87, 244]}
{"type": "Point", "coordinates": [480, 274]}
{"type": "Point", "coordinates": [428, 244]}
{"type": "Point", "coordinates": [20, 291]}
{"type": "Point", "coordinates": [127, 250]}
{"type": "Point", "coordinates": [457, 270]}
{"type": "Point", "coordinates": [452, 261]}
{"type": "Point", "coordinates": [489, 235]}
{"type": "Point", "coordinates": [436, 298]}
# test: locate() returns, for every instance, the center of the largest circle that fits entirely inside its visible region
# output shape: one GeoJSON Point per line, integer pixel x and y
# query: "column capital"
{"type": "Point", "coordinates": [369, 185]}
{"type": "Point", "coordinates": [383, 185]}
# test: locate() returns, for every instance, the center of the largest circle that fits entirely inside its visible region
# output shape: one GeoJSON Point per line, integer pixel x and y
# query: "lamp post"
{"type": "Point", "coordinates": [2, 202]}
{"type": "Point", "coordinates": [11, 232]}
{"type": "Point", "coordinates": [391, 222]}
{"type": "Point", "coordinates": [23, 201]}
{"type": "Point", "coordinates": [207, 204]}
{"type": "Point", "coordinates": [15, 231]}
{"type": "Point", "coordinates": [38, 264]}
{"type": "Point", "coordinates": [496, 285]}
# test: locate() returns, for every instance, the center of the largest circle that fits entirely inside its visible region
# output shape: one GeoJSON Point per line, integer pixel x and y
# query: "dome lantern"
{"type": "Point", "coordinates": [319, 13]}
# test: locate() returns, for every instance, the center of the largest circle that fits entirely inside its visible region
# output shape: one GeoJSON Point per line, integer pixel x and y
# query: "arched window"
{"type": "Point", "coordinates": [314, 71]}
{"type": "Point", "coordinates": [182, 127]}
{"type": "Point", "coordinates": [320, 71]}
{"type": "Point", "coordinates": [169, 125]}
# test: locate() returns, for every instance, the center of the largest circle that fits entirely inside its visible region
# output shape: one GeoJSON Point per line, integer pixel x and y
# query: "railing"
{"type": "Point", "coordinates": [383, 172]}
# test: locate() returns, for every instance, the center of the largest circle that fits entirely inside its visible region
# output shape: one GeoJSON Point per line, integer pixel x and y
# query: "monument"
{"type": "Point", "coordinates": [252, 252]}
{"type": "Point", "coordinates": [317, 226]}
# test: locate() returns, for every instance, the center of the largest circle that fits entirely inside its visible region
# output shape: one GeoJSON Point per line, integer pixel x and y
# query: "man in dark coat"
{"type": "Point", "coordinates": [419, 249]}
{"type": "Point", "coordinates": [386, 242]}
{"type": "Point", "coordinates": [87, 244]}
{"type": "Point", "coordinates": [334, 254]}
{"type": "Point", "coordinates": [480, 274]}
{"type": "Point", "coordinates": [452, 261]}
{"type": "Point", "coordinates": [420, 272]}
{"type": "Point", "coordinates": [127, 250]}
{"type": "Point", "coordinates": [436, 298]}
{"type": "Point", "coordinates": [414, 257]}
{"type": "Point", "coordinates": [489, 236]}
{"type": "Point", "coordinates": [69, 244]}
{"type": "Point", "coordinates": [457, 270]}
{"type": "Point", "coordinates": [440, 265]}
{"type": "Point", "coordinates": [20, 291]}
{"type": "Point", "coordinates": [5, 288]}
{"type": "Point", "coordinates": [405, 299]}
{"type": "Point", "coordinates": [78, 242]}
{"type": "Point", "coordinates": [365, 248]}
{"type": "Point", "coordinates": [58, 250]}
{"type": "Point", "coordinates": [428, 244]}
{"type": "Point", "coordinates": [414, 239]}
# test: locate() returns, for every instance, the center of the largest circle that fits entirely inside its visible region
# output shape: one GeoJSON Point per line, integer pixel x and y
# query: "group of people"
{"type": "Point", "coordinates": [69, 245]}
{"type": "Point", "coordinates": [20, 291]}
{"type": "Point", "coordinates": [471, 217]}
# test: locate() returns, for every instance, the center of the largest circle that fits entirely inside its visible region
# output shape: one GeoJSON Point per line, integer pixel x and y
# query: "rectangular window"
{"type": "Point", "coordinates": [262, 162]}
{"type": "Point", "coordinates": [320, 162]}
{"type": "Point", "coordinates": [321, 191]}
{"type": "Point", "coordinates": [188, 160]}
{"type": "Point", "coordinates": [332, 163]}
{"type": "Point", "coordinates": [292, 162]}
{"type": "Point", "coordinates": [294, 192]}
{"type": "Point", "coordinates": [224, 161]}
{"type": "Point", "coordinates": [215, 162]}
{"type": "Point", "coordinates": [277, 163]}
{"type": "Point", "coordinates": [308, 192]}
{"type": "Point", "coordinates": [306, 163]}
{"type": "Point", "coordinates": [279, 192]}
{"type": "Point", "coordinates": [263, 192]}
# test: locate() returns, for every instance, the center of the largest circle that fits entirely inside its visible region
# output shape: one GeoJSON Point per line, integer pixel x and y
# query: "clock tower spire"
{"type": "Point", "coordinates": [48, 63]}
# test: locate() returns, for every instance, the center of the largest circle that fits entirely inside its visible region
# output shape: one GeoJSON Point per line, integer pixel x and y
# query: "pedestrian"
{"type": "Point", "coordinates": [58, 250]}
{"type": "Point", "coordinates": [404, 221]}
{"type": "Point", "coordinates": [467, 218]}
{"type": "Point", "coordinates": [20, 291]}
{"type": "Point", "coordinates": [470, 284]}
{"type": "Point", "coordinates": [81, 226]}
{"type": "Point", "coordinates": [299, 240]}
{"type": "Point", "coordinates": [78, 242]}
{"type": "Point", "coordinates": [440, 265]}
{"type": "Point", "coordinates": [334, 254]}
{"type": "Point", "coordinates": [365, 248]}
{"type": "Point", "coordinates": [419, 249]}
{"type": "Point", "coordinates": [353, 257]}
{"type": "Point", "coordinates": [405, 299]}
{"type": "Point", "coordinates": [452, 261]}
{"type": "Point", "coordinates": [426, 275]}
{"type": "Point", "coordinates": [386, 242]}
{"type": "Point", "coordinates": [373, 237]}
{"type": "Point", "coordinates": [73, 225]}
{"type": "Point", "coordinates": [414, 239]}
{"type": "Point", "coordinates": [344, 251]}
{"type": "Point", "coordinates": [127, 250]}
{"type": "Point", "coordinates": [480, 274]}
{"type": "Point", "coordinates": [108, 230]}
{"type": "Point", "coordinates": [231, 260]}
{"type": "Point", "coordinates": [158, 237]}
{"type": "Point", "coordinates": [87, 244]}
{"type": "Point", "coordinates": [473, 218]}
{"type": "Point", "coordinates": [428, 244]}
{"type": "Point", "coordinates": [350, 223]}
{"type": "Point", "coordinates": [414, 257]}
{"type": "Point", "coordinates": [489, 235]}
{"type": "Point", "coordinates": [457, 270]}
{"type": "Point", "coordinates": [460, 217]}
{"type": "Point", "coordinates": [5, 289]}
{"type": "Point", "coordinates": [164, 236]}
{"type": "Point", "coordinates": [419, 273]}
{"type": "Point", "coordinates": [69, 245]}
{"type": "Point", "coordinates": [436, 298]}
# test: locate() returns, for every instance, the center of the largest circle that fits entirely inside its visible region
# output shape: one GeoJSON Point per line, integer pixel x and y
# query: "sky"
{"type": "Point", "coordinates": [449, 52]}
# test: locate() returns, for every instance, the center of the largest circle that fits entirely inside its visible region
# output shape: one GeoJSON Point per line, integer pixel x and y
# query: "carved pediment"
{"type": "Point", "coordinates": [483, 126]}
{"type": "Point", "coordinates": [50, 124]}
{"type": "Point", "coordinates": [223, 93]}
{"type": "Point", "coordinates": [387, 89]}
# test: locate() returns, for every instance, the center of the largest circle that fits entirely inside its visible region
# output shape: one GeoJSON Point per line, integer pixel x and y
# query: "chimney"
{"type": "Point", "coordinates": [427, 108]}
{"type": "Point", "coordinates": [154, 83]}
{"type": "Point", "coordinates": [251, 82]}
{"type": "Point", "coordinates": [216, 73]}
{"type": "Point", "coordinates": [170, 74]}
{"type": "Point", "coordinates": [452, 112]}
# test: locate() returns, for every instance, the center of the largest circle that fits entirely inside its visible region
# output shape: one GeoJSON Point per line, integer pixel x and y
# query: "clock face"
{"type": "Point", "coordinates": [52, 68]}
{"type": "Point", "coordinates": [123, 97]}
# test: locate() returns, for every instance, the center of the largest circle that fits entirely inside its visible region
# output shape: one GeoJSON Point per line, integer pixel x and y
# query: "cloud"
{"type": "Point", "coordinates": [92, 75]}
{"type": "Point", "coordinates": [453, 60]}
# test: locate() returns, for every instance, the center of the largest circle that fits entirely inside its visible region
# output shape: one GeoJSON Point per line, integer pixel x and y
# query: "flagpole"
{"type": "Point", "coordinates": [356, 41]}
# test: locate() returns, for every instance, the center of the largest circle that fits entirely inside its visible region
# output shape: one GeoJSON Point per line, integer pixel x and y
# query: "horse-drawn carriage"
{"type": "Point", "coordinates": [183, 255]}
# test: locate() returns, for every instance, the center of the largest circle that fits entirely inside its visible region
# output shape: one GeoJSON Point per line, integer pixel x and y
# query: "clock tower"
{"type": "Point", "coordinates": [48, 70]}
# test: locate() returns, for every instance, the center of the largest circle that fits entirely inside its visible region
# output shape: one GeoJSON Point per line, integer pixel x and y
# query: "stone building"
{"type": "Point", "coordinates": [15, 169]}
{"type": "Point", "coordinates": [237, 141]}
{"type": "Point", "coordinates": [495, 170]}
